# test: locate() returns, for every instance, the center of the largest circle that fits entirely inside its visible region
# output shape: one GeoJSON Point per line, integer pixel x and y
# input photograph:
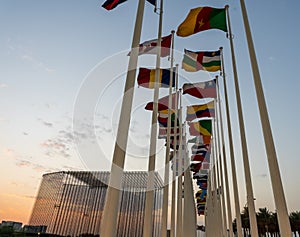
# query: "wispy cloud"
{"type": "Point", "coordinates": [3, 85]}
{"type": "Point", "coordinates": [47, 124]}
{"type": "Point", "coordinates": [26, 55]}
{"type": "Point", "coordinates": [37, 63]}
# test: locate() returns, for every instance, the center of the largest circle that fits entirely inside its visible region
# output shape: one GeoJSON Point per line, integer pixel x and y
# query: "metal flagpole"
{"type": "Point", "coordinates": [149, 202]}
{"type": "Point", "coordinates": [189, 212]}
{"type": "Point", "coordinates": [279, 197]}
{"type": "Point", "coordinates": [221, 184]}
{"type": "Point", "coordinates": [227, 191]}
{"type": "Point", "coordinates": [232, 157]}
{"type": "Point", "coordinates": [173, 200]}
{"type": "Point", "coordinates": [164, 222]}
{"type": "Point", "coordinates": [179, 178]}
{"type": "Point", "coordinates": [218, 206]}
{"type": "Point", "coordinates": [111, 207]}
{"type": "Point", "coordinates": [249, 188]}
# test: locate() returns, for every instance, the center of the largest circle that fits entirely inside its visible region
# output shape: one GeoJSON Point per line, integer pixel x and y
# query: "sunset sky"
{"type": "Point", "coordinates": [53, 53]}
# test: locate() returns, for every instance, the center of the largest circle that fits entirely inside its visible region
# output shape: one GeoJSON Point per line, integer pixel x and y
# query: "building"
{"type": "Point", "coordinates": [15, 225]}
{"type": "Point", "coordinates": [71, 203]}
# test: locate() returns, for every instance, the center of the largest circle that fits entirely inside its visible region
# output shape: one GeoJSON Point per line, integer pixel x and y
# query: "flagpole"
{"type": "Point", "coordinates": [220, 163]}
{"type": "Point", "coordinates": [218, 208]}
{"type": "Point", "coordinates": [164, 222]}
{"type": "Point", "coordinates": [249, 188]}
{"type": "Point", "coordinates": [278, 192]}
{"type": "Point", "coordinates": [149, 202]}
{"type": "Point", "coordinates": [232, 156]}
{"type": "Point", "coordinates": [229, 215]}
{"type": "Point", "coordinates": [111, 207]}
{"type": "Point", "coordinates": [179, 178]}
{"type": "Point", "coordinates": [189, 211]}
{"type": "Point", "coordinates": [173, 197]}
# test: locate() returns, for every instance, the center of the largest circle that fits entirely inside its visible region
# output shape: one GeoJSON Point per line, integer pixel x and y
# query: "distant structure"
{"type": "Point", "coordinates": [15, 225]}
{"type": "Point", "coordinates": [71, 203]}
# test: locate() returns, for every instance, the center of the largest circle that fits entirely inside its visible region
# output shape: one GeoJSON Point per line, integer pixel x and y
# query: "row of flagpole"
{"type": "Point", "coordinates": [217, 175]}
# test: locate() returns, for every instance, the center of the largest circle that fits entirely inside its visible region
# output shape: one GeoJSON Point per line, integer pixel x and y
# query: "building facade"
{"type": "Point", "coordinates": [70, 203]}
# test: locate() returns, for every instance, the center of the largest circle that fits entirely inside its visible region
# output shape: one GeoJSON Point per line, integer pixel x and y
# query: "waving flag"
{"type": "Point", "coordinates": [111, 4]}
{"type": "Point", "coordinates": [202, 127]}
{"type": "Point", "coordinates": [200, 140]}
{"type": "Point", "coordinates": [162, 118]}
{"type": "Point", "coordinates": [163, 103]}
{"type": "Point", "coordinates": [201, 19]}
{"type": "Point", "coordinates": [150, 46]}
{"type": "Point", "coordinates": [200, 111]}
{"type": "Point", "coordinates": [201, 89]}
{"type": "Point", "coordinates": [195, 61]}
{"type": "Point", "coordinates": [146, 78]}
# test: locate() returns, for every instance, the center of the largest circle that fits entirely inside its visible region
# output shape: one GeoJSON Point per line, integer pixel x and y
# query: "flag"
{"type": "Point", "coordinates": [200, 176]}
{"type": "Point", "coordinates": [200, 140]}
{"type": "Point", "coordinates": [200, 149]}
{"type": "Point", "coordinates": [162, 132]}
{"type": "Point", "coordinates": [150, 46]}
{"type": "Point", "coordinates": [195, 61]}
{"type": "Point", "coordinates": [153, 2]}
{"type": "Point", "coordinates": [111, 4]}
{"type": "Point", "coordinates": [163, 103]}
{"type": "Point", "coordinates": [202, 127]}
{"type": "Point", "coordinates": [146, 78]}
{"type": "Point", "coordinates": [162, 118]}
{"type": "Point", "coordinates": [201, 89]}
{"type": "Point", "coordinates": [201, 19]}
{"type": "Point", "coordinates": [200, 111]}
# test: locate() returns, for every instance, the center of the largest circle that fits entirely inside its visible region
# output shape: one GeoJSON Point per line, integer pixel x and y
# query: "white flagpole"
{"type": "Point", "coordinates": [227, 191]}
{"type": "Point", "coordinates": [173, 200]}
{"type": "Point", "coordinates": [179, 178]}
{"type": "Point", "coordinates": [248, 181]}
{"type": "Point", "coordinates": [278, 192]}
{"type": "Point", "coordinates": [232, 156]}
{"type": "Point", "coordinates": [111, 207]}
{"type": "Point", "coordinates": [164, 222]}
{"type": "Point", "coordinates": [221, 177]}
{"type": "Point", "coordinates": [149, 202]}
{"type": "Point", "coordinates": [189, 212]}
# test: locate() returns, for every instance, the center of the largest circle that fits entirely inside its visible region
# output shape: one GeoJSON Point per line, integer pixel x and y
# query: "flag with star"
{"type": "Point", "coordinates": [201, 19]}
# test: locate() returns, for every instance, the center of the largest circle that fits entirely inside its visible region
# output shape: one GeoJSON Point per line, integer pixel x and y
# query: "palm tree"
{"type": "Point", "coordinates": [295, 222]}
{"type": "Point", "coordinates": [263, 221]}
{"type": "Point", "coordinates": [245, 221]}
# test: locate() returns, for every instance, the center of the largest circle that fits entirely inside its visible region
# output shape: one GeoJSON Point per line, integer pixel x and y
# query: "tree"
{"type": "Point", "coordinates": [295, 222]}
{"type": "Point", "coordinates": [263, 221]}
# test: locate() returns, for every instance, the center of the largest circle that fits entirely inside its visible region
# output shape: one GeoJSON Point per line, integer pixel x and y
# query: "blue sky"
{"type": "Point", "coordinates": [49, 50]}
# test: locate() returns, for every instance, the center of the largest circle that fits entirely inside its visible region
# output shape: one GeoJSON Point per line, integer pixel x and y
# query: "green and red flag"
{"type": "Point", "coordinates": [201, 19]}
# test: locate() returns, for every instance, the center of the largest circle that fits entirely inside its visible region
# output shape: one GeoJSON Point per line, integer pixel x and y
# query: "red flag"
{"type": "Point", "coordinates": [163, 103]}
{"type": "Point", "coordinates": [201, 89]}
{"type": "Point", "coordinates": [150, 46]}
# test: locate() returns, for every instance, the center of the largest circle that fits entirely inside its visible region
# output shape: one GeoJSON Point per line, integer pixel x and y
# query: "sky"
{"type": "Point", "coordinates": [62, 74]}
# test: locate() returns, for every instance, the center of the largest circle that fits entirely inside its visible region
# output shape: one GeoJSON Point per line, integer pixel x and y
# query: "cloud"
{"type": "Point", "coordinates": [37, 63]}
{"type": "Point", "coordinates": [47, 124]}
{"type": "Point", "coordinates": [26, 55]}
{"type": "Point", "coordinates": [262, 175]}
{"type": "Point", "coordinates": [3, 85]}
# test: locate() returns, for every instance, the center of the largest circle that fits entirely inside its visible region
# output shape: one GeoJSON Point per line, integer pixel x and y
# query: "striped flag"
{"type": "Point", "coordinates": [163, 103]}
{"type": "Point", "coordinates": [202, 127]}
{"type": "Point", "coordinates": [200, 111]}
{"type": "Point", "coordinates": [111, 4]}
{"type": "Point", "coordinates": [200, 140]}
{"type": "Point", "coordinates": [201, 19]}
{"type": "Point", "coordinates": [146, 78]}
{"type": "Point", "coordinates": [195, 61]}
{"type": "Point", "coordinates": [150, 46]}
{"type": "Point", "coordinates": [201, 89]}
